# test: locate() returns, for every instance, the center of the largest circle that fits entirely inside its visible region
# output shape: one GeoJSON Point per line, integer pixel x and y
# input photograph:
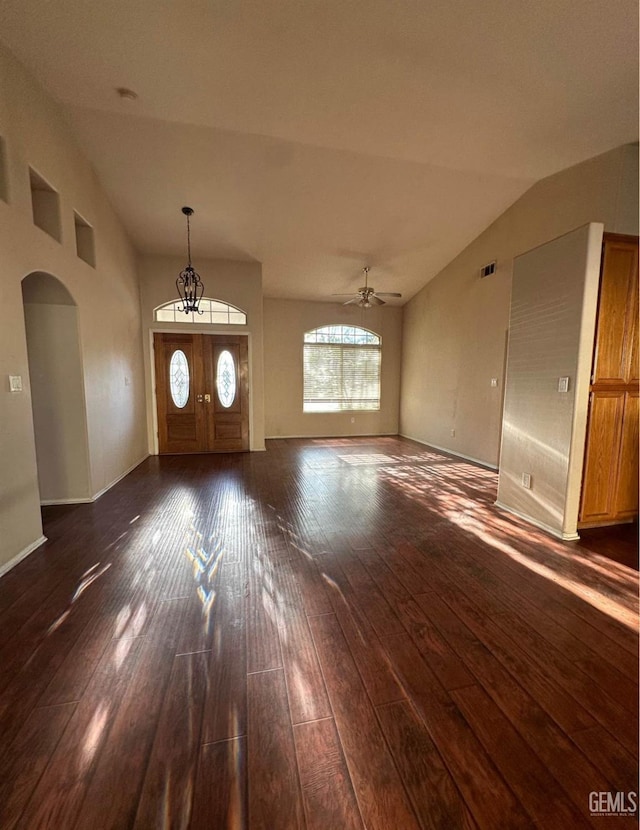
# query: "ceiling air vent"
{"type": "Point", "coordinates": [487, 270]}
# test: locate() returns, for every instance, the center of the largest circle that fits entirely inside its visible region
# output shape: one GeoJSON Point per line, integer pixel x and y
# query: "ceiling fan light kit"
{"type": "Point", "coordinates": [367, 296]}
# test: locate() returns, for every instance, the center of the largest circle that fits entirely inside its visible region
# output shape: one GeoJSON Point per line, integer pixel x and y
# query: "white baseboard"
{"type": "Point", "coordinates": [120, 477]}
{"type": "Point", "coordinates": [351, 435]}
{"type": "Point", "coordinates": [558, 534]}
{"type": "Point", "coordinates": [22, 555]}
{"type": "Point", "coordinates": [49, 502]}
{"type": "Point", "coordinates": [452, 452]}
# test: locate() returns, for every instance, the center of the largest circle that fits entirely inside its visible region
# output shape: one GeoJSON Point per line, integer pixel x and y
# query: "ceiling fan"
{"type": "Point", "coordinates": [367, 297]}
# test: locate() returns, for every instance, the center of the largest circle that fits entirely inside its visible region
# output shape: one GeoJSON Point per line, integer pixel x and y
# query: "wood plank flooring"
{"type": "Point", "coordinates": [334, 634]}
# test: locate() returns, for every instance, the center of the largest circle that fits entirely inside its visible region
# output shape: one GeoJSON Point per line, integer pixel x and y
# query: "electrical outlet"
{"type": "Point", "coordinates": [353, 420]}
{"type": "Point", "coordinates": [526, 481]}
{"type": "Point", "coordinates": [453, 433]}
{"type": "Point", "coordinates": [494, 382]}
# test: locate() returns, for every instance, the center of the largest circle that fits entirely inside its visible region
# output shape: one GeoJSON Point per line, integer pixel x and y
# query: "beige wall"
{"type": "Point", "coordinates": [35, 133]}
{"type": "Point", "coordinates": [454, 334]}
{"type": "Point", "coordinates": [552, 323]}
{"type": "Point", "coordinates": [231, 281]}
{"type": "Point", "coordinates": [285, 324]}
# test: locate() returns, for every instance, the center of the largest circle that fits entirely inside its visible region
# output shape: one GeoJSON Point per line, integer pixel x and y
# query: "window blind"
{"type": "Point", "coordinates": [340, 376]}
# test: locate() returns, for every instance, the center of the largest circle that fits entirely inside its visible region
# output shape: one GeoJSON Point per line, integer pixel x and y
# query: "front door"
{"type": "Point", "coordinates": [202, 392]}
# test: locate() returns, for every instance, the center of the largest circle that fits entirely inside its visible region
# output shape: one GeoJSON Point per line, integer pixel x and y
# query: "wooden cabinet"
{"type": "Point", "coordinates": [610, 478]}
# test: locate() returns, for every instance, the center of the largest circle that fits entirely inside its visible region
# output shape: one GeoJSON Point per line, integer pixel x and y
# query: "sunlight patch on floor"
{"type": "Point", "coordinates": [443, 492]}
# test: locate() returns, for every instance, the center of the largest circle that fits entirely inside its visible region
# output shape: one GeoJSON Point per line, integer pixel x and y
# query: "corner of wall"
{"type": "Point", "coordinates": [583, 378]}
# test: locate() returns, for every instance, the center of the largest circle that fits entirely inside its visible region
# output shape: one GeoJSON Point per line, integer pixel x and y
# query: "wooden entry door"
{"type": "Point", "coordinates": [202, 392]}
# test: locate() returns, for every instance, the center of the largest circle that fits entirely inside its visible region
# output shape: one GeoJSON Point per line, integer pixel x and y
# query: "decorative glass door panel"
{"type": "Point", "coordinates": [228, 362]}
{"type": "Point", "coordinates": [179, 378]}
{"type": "Point", "coordinates": [226, 379]}
{"type": "Point", "coordinates": [202, 392]}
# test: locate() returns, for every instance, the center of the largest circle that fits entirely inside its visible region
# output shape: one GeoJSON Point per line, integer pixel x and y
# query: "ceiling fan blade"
{"type": "Point", "coordinates": [387, 294]}
{"type": "Point", "coordinates": [375, 300]}
{"type": "Point", "coordinates": [348, 294]}
{"type": "Point", "coordinates": [353, 300]}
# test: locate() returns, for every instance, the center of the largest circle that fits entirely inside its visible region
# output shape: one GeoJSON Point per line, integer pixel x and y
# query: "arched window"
{"type": "Point", "coordinates": [341, 369]}
{"type": "Point", "coordinates": [213, 312]}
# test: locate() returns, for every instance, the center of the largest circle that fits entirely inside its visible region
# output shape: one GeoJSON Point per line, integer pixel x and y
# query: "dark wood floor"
{"type": "Point", "coordinates": [331, 634]}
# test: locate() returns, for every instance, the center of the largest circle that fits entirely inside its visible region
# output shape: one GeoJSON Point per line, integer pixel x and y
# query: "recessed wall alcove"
{"type": "Point", "coordinates": [85, 240]}
{"type": "Point", "coordinates": [45, 205]}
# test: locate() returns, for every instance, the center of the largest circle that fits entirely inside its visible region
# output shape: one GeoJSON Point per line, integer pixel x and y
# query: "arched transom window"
{"type": "Point", "coordinates": [213, 312]}
{"type": "Point", "coordinates": [341, 369]}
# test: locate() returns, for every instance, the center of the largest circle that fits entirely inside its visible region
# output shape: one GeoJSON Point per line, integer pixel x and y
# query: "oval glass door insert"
{"type": "Point", "coordinates": [226, 379]}
{"type": "Point", "coordinates": [179, 378]}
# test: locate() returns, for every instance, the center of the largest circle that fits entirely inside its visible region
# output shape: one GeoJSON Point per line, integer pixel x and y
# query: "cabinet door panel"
{"type": "Point", "coordinates": [627, 490]}
{"type": "Point", "coordinates": [613, 336]}
{"type": "Point", "coordinates": [601, 462]}
{"type": "Point", "coordinates": [632, 335]}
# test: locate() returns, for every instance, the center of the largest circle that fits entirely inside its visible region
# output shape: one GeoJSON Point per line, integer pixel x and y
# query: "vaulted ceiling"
{"type": "Point", "coordinates": [317, 136]}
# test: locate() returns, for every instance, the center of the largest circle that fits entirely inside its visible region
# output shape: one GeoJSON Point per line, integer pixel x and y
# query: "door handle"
{"type": "Point", "coordinates": [199, 398]}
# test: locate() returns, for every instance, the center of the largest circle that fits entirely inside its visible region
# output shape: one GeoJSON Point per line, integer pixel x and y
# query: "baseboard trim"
{"type": "Point", "coordinates": [452, 452]}
{"type": "Point", "coordinates": [22, 555]}
{"type": "Point", "coordinates": [50, 502]}
{"type": "Point", "coordinates": [564, 537]}
{"type": "Point", "coordinates": [120, 477]}
{"type": "Point", "coordinates": [352, 435]}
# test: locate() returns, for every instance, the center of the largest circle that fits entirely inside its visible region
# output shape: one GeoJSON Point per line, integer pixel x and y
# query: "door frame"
{"type": "Point", "coordinates": [195, 329]}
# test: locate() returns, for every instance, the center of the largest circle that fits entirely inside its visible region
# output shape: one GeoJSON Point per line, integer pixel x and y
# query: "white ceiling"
{"type": "Point", "coordinates": [317, 136]}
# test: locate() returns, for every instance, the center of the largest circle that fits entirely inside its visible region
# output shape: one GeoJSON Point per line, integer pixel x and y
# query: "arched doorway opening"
{"type": "Point", "coordinates": [57, 389]}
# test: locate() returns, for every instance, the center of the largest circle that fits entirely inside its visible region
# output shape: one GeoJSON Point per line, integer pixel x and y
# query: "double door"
{"type": "Point", "coordinates": [202, 392]}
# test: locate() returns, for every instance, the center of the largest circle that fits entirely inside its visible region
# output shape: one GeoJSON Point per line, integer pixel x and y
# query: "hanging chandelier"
{"type": "Point", "coordinates": [189, 285]}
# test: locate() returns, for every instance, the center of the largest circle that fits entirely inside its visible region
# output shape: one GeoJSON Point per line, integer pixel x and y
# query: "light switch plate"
{"type": "Point", "coordinates": [563, 384]}
{"type": "Point", "coordinates": [15, 383]}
